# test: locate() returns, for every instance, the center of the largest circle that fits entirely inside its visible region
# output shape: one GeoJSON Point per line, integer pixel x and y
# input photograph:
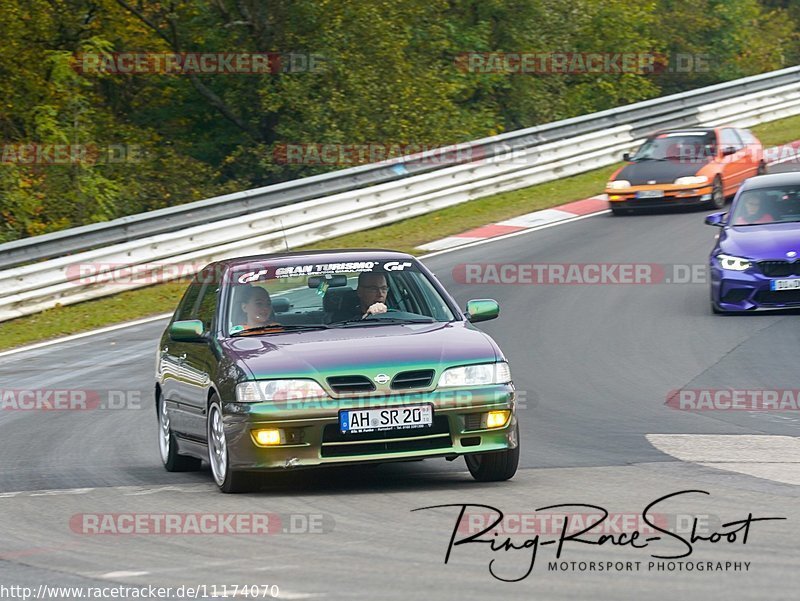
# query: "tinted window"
{"type": "Point", "coordinates": [767, 205]}
{"type": "Point", "coordinates": [688, 146]}
{"type": "Point", "coordinates": [296, 294]}
{"type": "Point", "coordinates": [728, 137]}
{"type": "Point", "coordinates": [208, 305]}
{"type": "Point", "coordinates": [186, 306]}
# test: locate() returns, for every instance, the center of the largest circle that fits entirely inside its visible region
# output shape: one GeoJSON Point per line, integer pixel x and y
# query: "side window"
{"type": "Point", "coordinates": [208, 305]}
{"type": "Point", "coordinates": [729, 137]}
{"type": "Point", "coordinates": [186, 306]}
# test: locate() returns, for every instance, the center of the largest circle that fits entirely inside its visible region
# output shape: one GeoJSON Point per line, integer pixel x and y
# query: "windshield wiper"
{"type": "Point", "coordinates": [390, 320]}
{"type": "Point", "coordinates": [277, 329]}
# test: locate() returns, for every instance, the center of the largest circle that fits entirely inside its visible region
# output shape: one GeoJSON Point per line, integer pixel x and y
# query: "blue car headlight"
{"type": "Point", "coordinates": [733, 263]}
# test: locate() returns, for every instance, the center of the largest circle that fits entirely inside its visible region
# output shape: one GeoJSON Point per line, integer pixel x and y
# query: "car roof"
{"type": "Point", "coordinates": [684, 130]}
{"type": "Point", "coordinates": [343, 255]}
{"type": "Point", "coordinates": [787, 178]}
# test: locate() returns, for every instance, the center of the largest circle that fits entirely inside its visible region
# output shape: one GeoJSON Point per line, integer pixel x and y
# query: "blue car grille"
{"type": "Point", "coordinates": [777, 269]}
{"type": "Point", "coordinates": [778, 297]}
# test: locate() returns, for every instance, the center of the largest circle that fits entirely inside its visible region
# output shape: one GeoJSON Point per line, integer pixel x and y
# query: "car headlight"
{"type": "Point", "coordinates": [476, 375]}
{"type": "Point", "coordinates": [733, 263]}
{"type": "Point", "coordinates": [278, 390]}
{"type": "Point", "coordinates": [618, 184]}
{"type": "Point", "coordinates": [691, 180]}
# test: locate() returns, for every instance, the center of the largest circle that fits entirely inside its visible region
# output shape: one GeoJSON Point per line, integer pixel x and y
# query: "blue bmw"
{"type": "Point", "coordinates": [754, 264]}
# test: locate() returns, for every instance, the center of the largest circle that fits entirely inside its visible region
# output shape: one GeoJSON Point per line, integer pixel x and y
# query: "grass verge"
{"type": "Point", "coordinates": [405, 236]}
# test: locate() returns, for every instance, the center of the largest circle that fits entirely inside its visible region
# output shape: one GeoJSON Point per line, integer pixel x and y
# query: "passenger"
{"type": "Point", "coordinates": [753, 212]}
{"type": "Point", "coordinates": [257, 308]}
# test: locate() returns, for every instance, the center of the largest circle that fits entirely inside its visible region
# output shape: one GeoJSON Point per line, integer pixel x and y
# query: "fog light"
{"type": "Point", "coordinates": [497, 419]}
{"type": "Point", "coordinates": [268, 437]}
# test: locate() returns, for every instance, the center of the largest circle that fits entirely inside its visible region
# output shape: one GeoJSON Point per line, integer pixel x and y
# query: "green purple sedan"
{"type": "Point", "coordinates": [327, 358]}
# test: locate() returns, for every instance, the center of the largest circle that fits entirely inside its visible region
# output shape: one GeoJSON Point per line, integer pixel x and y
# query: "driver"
{"type": "Point", "coordinates": [372, 290]}
{"type": "Point", "coordinates": [753, 212]}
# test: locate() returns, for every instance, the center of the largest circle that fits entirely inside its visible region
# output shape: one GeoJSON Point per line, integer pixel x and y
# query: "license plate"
{"type": "Point", "coordinates": [389, 418]}
{"type": "Point", "coordinates": [785, 284]}
{"type": "Point", "coordinates": [650, 194]}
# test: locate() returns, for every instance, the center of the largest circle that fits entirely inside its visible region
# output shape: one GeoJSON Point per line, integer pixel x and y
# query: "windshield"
{"type": "Point", "coordinates": [277, 297]}
{"type": "Point", "coordinates": [767, 205]}
{"type": "Point", "coordinates": [684, 146]}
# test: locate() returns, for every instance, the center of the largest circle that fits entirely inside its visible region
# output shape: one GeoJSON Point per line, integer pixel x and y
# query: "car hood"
{"type": "Point", "coordinates": [366, 350]}
{"type": "Point", "coordinates": [766, 241]}
{"type": "Point", "coordinates": [660, 172]}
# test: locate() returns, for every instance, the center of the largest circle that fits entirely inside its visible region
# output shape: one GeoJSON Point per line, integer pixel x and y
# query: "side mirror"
{"type": "Point", "coordinates": [482, 309]}
{"type": "Point", "coordinates": [728, 150]}
{"type": "Point", "coordinates": [189, 330]}
{"type": "Point", "coordinates": [716, 219]}
{"type": "Point", "coordinates": [626, 156]}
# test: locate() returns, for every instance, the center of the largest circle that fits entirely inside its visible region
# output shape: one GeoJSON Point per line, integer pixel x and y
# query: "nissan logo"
{"type": "Point", "coordinates": [381, 379]}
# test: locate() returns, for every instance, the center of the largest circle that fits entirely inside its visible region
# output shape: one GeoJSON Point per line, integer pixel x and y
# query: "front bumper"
{"type": "Point", "coordinates": [749, 290]}
{"type": "Point", "coordinates": [313, 438]}
{"type": "Point", "coordinates": [676, 197]}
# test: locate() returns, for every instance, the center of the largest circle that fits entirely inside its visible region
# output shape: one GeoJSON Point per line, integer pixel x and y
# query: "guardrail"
{"type": "Point", "coordinates": [311, 209]}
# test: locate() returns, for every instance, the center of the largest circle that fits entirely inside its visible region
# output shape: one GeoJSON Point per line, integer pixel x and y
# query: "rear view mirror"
{"type": "Point", "coordinates": [716, 219]}
{"type": "Point", "coordinates": [728, 150]}
{"type": "Point", "coordinates": [482, 309]}
{"type": "Point", "coordinates": [626, 156]}
{"type": "Point", "coordinates": [189, 330]}
{"type": "Point", "coordinates": [332, 280]}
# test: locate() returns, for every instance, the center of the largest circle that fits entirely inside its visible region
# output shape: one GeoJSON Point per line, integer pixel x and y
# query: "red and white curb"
{"type": "Point", "coordinates": [578, 208]}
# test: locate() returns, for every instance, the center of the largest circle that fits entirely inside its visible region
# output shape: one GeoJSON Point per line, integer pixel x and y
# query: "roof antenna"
{"type": "Point", "coordinates": [283, 231]}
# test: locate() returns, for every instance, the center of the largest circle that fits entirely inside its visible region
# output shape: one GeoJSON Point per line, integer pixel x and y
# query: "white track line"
{"type": "Point", "coordinates": [766, 456]}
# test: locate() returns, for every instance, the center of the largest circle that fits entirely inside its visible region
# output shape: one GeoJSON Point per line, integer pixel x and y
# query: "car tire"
{"type": "Point", "coordinates": [227, 479]}
{"type": "Point", "coordinates": [168, 448]}
{"type": "Point", "coordinates": [617, 212]}
{"type": "Point", "coordinates": [496, 466]}
{"type": "Point", "coordinates": [716, 310]}
{"type": "Point", "coordinates": [718, 193]}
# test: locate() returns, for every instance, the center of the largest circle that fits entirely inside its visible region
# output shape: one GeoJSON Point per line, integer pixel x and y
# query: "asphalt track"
{"type": "Point", "coordinates": [594, 364]}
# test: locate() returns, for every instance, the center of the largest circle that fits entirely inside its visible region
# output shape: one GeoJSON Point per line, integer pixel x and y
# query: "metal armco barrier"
{"type": "Point", "coordinates": [101, 259]}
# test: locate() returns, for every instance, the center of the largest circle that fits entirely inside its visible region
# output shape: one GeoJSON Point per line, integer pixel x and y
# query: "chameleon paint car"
{"type": "Point", "coordinates": [312, 376]}
{"type": "Point", "coordinates": [754, 264]}
{"type": "Point", "coordinates": [680, 167]}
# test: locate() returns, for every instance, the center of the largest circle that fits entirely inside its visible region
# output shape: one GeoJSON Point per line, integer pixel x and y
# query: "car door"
{"type": "Point", "coordinates": [753, 151]}
{"type": "Point", "coordinates": [734, 159]}
{"type": "Point", "coordinates": [172, 357]}
{"type": "Point", "coordinates": [200, 363]}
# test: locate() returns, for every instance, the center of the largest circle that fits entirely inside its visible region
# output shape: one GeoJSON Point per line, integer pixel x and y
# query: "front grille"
{"type": "Point", "coordinates": [778, 297]}
{"type": "Point", "coordinates": [420, 444]}
{"type": "Point", "coordinates": [778, 269]}
{"type": "Point", "coordinates": [337, 444]}
{"type": "Point", "coordinates": [349, 384]}
{"type": "Point", "coordinates": [405, 380]}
